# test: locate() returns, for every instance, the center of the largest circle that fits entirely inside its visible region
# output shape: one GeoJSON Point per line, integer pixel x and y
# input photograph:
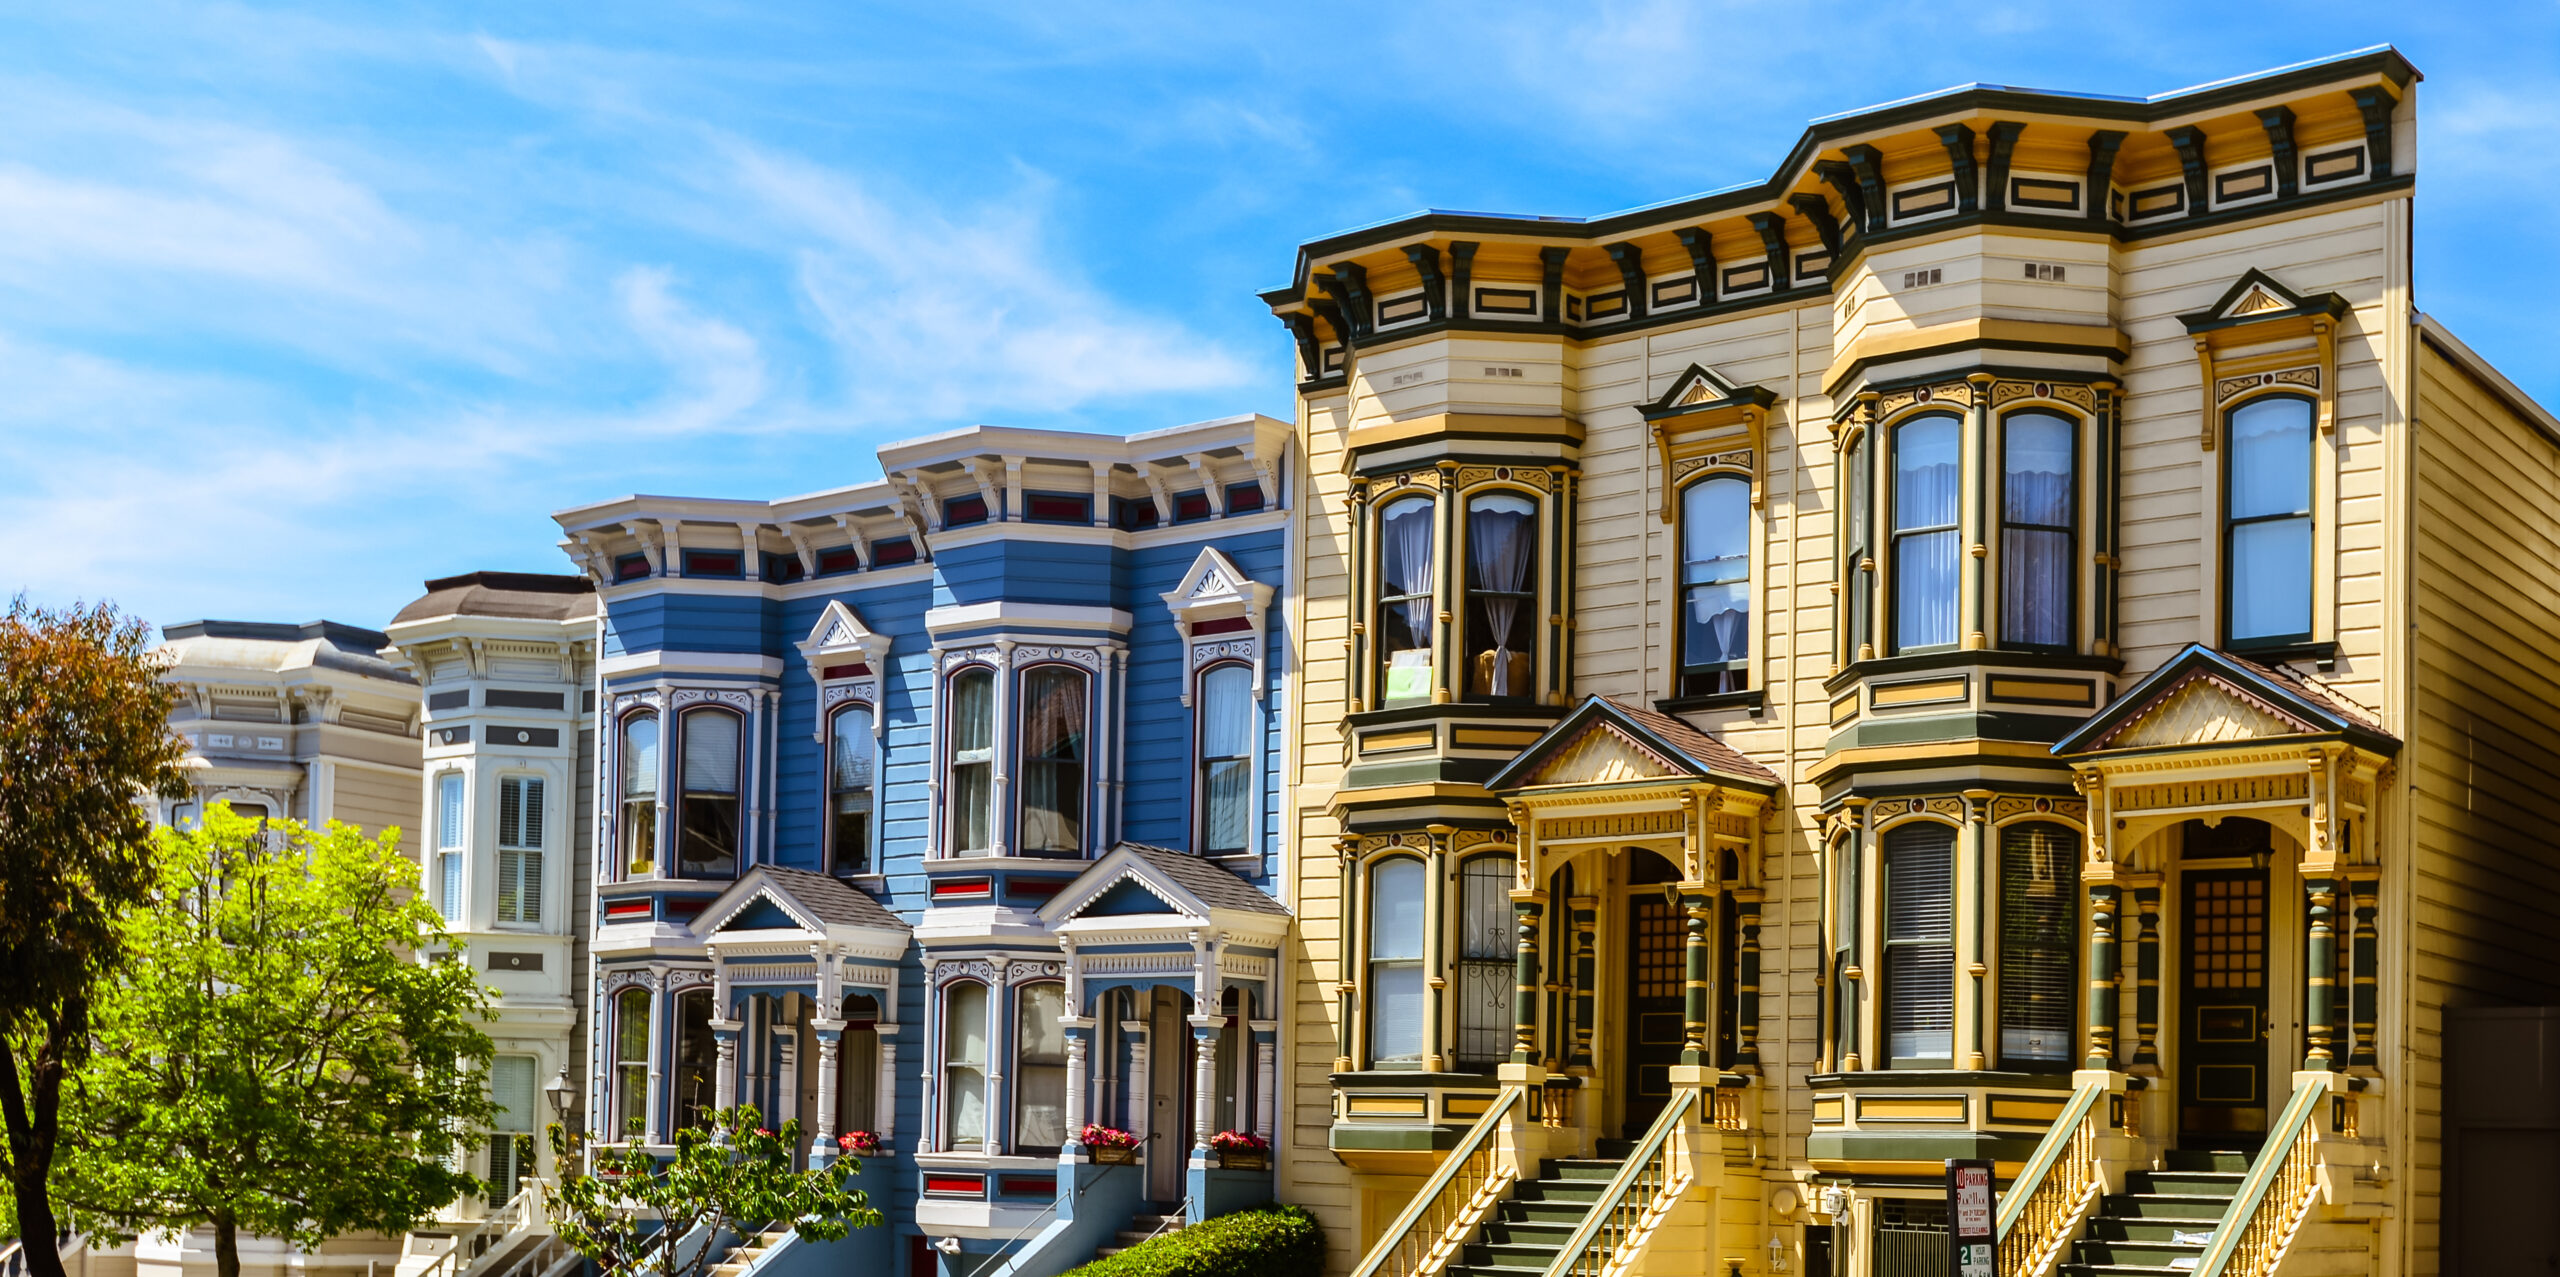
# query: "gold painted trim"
{"type": "Point", "coordinates": [1386, 1106]}
{"type": "Point", "coordinates": [2041, 691]}
{"type": "Point", "coordinates": [1477, 424]}
{"type": "Point", "coordinates": [1867, 755]}
{"type": "Point", "coordinates": [2104, 339]}
{"type": "Point", "coordinates": [1903, 1108]}
{"type": "Point", "coordinates": [1493, 737]}
{"type": "Point", "coordinates": [1917, 692]}
{"type": "Point", "coordinates": [1382, 742]}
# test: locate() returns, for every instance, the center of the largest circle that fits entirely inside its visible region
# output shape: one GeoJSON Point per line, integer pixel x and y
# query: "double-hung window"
{"type": "Point", "coordinates": [452, 824]}
{"type": "Point", "coordinates": [1395, 961]}
{"type": "Point", "coordinates": [973, 762]}
{"type": "Point", "coordinates": [1715, 585]}
{"type": "Point", "coordinates": [1502, 596]}
{"type": "Point", "coordinates": [1927, 479]}
{"type": "Point", "coordinates": [1857, 581]}
{"type": "Point", "coordinates": [858, 1068]}
{"type": "Point", "coordinates": [639, 791]}
{"type": "Point", "coordinates": [697, 1069]}
{"type": "Point", "coordinates": [964, 1067]}
{"type": "Point", "coordinates": [1039, 1069]}
{"type": "Point", "coordinates": [1405, 603]}
{"type": "Point", "coordinates": [1053, 749]}
{"type": "Point", "coordinates": [2036, 498]}
{"type": "Point", "coordinates": [1486, 960]}
{"type": "Point", "coordinates": [850, 760]}
{"type": "Point", "coordinates": [1226, 759]}
{"type": "Point", "coordinates": [2039, 966]}
{"type": "Point", "coordinates": [511, 1132]}
{"type": "Point", "coordinates": [630, 1063]}
{"type": "Point", "coordinates": [520, 816]}
{"type": "Point", "coordinates": [1919, 946]}
{"type": "Point", "coordinates": [2267, 524]}
{"type": "Point", "coordinates": [707, 823]}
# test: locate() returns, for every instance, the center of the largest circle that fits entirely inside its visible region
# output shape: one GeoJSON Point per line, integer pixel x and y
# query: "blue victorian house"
{"type": "Point", "coordinates": [942, 809]}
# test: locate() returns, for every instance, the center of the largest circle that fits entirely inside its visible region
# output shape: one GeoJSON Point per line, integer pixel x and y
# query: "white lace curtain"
{"type": "Point", "coordinates": [1715, 572]}
{"type": "Point", "coordinates": [1926, 484]}
{"type": "Point", "coordinates": [1501, 544]}
{"type": "Point", "coordinates": [2035, 533]}
{"type": "Point", "coordinates": [1404, 568]}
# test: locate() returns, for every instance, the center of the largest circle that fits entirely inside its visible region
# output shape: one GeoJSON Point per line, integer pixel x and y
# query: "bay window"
{"type": "Point", "coordinates": [520, 849]}
{"type": "Point", "coordinates": [1919, 946]}
{"type": "Point", "coordinates": [707, 819]}
{"type": "Point", "coordinates": [1039, 1069]}
{"type": "Point", "coordinates": [849, 789]}
{"type": "Point", "coordinates": [1405, 603]}
{"type": "Point", "coordinates": [2037, 485]}
{"type": "Point", "coordinates": [697, 1071]}
{"type": "Point", "coordinates": [452, 823]}
{"type": "Point", "coordinates": [1486, 960]}
{"type": "Point", "coordinates": [1053, 748]}
{"type": "Point", "coordinates": [639, 791]}
{"type": "Point", "coordinates": [630, 1063]}
{"type": "Point", "coordinates": [2039, 966]}
{"type": "Point", "coordinates": [2267, 524]}
{"type": "Point", "coordinates": [1502, 596]}
{"type": "Point", "coordinates": [964, 1067]}
{"type": "Point", "coordinates": [1226, 759]}
{"type": "Point", "coordinates": [972, 762]}
{"type": "Point", "coordinates": [1927, 481]}
{"type": "Point", "coordinates": [1395, 961]}
{"type": "Point", "coordinates": [1715, 586]}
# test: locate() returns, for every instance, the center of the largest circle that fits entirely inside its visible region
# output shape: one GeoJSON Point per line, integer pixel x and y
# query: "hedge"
{"type": "Point", "coordinates": [1266, 1241]}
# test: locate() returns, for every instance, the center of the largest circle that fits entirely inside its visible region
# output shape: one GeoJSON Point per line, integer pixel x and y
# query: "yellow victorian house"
{"type": "Point", "coordinates": [2011, 639]}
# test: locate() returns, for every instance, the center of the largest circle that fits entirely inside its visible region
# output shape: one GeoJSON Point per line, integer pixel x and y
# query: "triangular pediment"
{"type": "Point", "coordinates": [2204, 709]}
{"type": "Point", "coordinates": [1603, 754]}
{"type": "Point", "coordinates": [2202, 698]}
{"type": "Point", "coordinates": [1699, 388]}
{"type": "Point", "coordinates": [1606, 742]}
{"type": "Point", "coordinates": [1124, 884]}
{"type": "Point", "coordinates": [2258, 296]}
{"type": "Point", "coordinates": [762, 914]}
{"type": "Point", "coordinates": [1126, 898]}
{"type": "Point", "coordinates": [840, 632]}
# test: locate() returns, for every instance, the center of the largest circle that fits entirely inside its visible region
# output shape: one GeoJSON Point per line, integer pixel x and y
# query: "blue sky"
{"type": "Point", "coordinates": [300, 306]}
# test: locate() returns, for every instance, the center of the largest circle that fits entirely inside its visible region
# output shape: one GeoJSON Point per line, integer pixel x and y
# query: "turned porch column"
{"type": "Point", "coordinates": [2364, 954]}
{"type": "Point", "coordinates": [1696, 907]}
{"type": "Point", "coordinates": [1204, 1079]}
{"type": "Point", "coordinates": [2320, 976]}
{"type": "Point", "coordinates": [1746, 980]}
{"type": "Point", "coordinates": [1526, 906]}
{"type": "Point", "coordinates": [2102, 977]}
{"type": "Point", "coordinates": [830, 1035]}
{"type": "Point", "coordinates": [1586, 978]}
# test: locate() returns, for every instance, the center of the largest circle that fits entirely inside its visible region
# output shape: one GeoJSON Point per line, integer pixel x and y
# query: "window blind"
{"type": "Point", "coordinates": [520, 812]}
{"type": "Point", "coordinates": [2039, 916]}
{"type": "Point", "coordinates": [710, 753]}
{"type": "Point", "coordinates": [1919, 953]}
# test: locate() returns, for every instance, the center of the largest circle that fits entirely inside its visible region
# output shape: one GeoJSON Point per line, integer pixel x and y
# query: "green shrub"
{"type": "Point", "coordinates": [1267, 1241]}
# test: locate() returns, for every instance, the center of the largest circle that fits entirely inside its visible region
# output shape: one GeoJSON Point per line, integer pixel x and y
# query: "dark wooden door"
{"type": "Point", "coordinates": [2222, 1021]}
{"type": "Point", "coordinates": [1657, 1008]}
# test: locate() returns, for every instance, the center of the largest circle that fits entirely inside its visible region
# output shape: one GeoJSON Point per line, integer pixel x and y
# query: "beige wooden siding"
{"type": "Point", "coordinates": [376, 799]}
{"type": "Point", "coordinates": [2484, 883]}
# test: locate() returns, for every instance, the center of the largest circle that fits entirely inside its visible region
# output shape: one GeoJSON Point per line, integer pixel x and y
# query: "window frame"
{"type": "Point", "coordinates": [532, 859]}
{"type": "Point", "coordinates": [2070, 531]}
{"type": "Point", "coordinates": [867, 862]}
{"type": "Point", "coordinates": [1202, 759]}
{"type": "Point", "coordinates": [1857, 504]}
{"type": "Point", "coordinates": [1381, 600]}
{"type": "Point", "coordinates": [519, 1145]}
{"type": "Point", "coordinates": [1021, 1066]}
{"type": "Point", "coordinates": [453, 845]}
{"type": "Point", "coordinates": [2068, 950]}
{"type": "Point", "coordinates": [1738, 673]}
{"type": "Point", "coordinates": [951, 762]}
{"type": "Point", "coordinates": [1506, 959]}
{"type": "Point", "coordinates": [677, 1003]}
{"type": "Point", "coordinates": [867, 1027]}
{"type": "Point", "coordinates": [1895, 534]}
{"type": "Point", "coordinates": [945, 1138]}
{"type": "Point", "coordinates": [1371, 964]}
{"type": "Point", "coordinates": [630, 1075]}
{"type": "Point", "coordinates": [1886, 943]}
{"type": "Point", "coordinates": [624, 798]}
{"type": "Point", "coordinates": [1020, 796]}
{"type": "Point", "coordinates": [2309, 516]}
{"type": "Point", "coordinates": [1462, 580]}
{"type": "Point", "coordinates": [685, 797]}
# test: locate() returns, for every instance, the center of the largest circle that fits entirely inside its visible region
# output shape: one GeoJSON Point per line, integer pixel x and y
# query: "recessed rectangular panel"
{"type": "Point", "coordinates": [1911, 1108]}
{"type": "Point", "coordinates": [1382, 742]}
{"type": "Point", "coordinates": [2226, 1023]}
{"type": "Point", "coordinates": [2042, 691]}
{"type": "Point", "coordinates": [1401, 309]}
{"type": "Point", "coordinates": [1918, 692]}
{"type": "Point", "coordinates": [1922, 201]}
{"type": "Point", "coordinates": [1606, 305]}
{"type": "Point", "coordinates": [2334, 166]}
{"type": "Point", "coordinates": [2244, 184]}
{"type": "Point", "coordinates": [1672, 292]}
{"type": "Point", "coordinates": [2226, 1083]}
{"type": "Point", "coordinates": [2031, 192]}
{"type": "Point", "coordinates": [2159, 201]}
{"type": "Point", "coordinates": [1660, 1028]}
{"type": "Point", "coordinates": [1738, 278]}
{"type": "Point", "coordinates": [1506, 301]}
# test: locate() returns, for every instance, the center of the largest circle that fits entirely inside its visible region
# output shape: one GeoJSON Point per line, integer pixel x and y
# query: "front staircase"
{"type": "Point", "coordinates": [1530, 1229]}
{"type": "Point", "coordinates": [1154, 1219]}
{"type": "Point", "coordinates": [2163, 1221]}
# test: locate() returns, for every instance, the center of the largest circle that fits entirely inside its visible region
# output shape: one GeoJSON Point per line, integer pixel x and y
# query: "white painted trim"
{"type": "Point", "coordinates": [683, 662]}
{"type": "Point", "coordinates": [1050, 616]}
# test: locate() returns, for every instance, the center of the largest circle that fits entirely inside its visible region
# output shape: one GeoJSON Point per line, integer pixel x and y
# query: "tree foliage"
{"type": "Point", "coordinates": [84, 735]}
{"type": "Point", "coordinates": [276, 1059]}
{"type": "Point", "coordinates": [735, 1176]}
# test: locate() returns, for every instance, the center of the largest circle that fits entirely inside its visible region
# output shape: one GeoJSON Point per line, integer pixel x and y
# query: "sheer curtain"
{"type": "Point", "coordinates": [1040, 1070]}
{"type": "Point", "coordinates": [973, 725]}
{"type": "Point", "coordinates": [707, 826]}
{"type": "Point", "coordinates": [1395, 961]}
{"type": "Point", "coordinates": [639, 790]}
{"type": "Point", "coordinates": [2270, 520]}
{"type": "Point", "coordinates": [1926, 484]}
{"type": "Point", "coordinates": [1715, 582]}
{"type": "Point", "coordinates": [1053, 760]}
{"type": "Point", "coordinates": [1226, 758]}
{"type": "Point", "coordinates": [1501, 547]}
{"type": "Point", "coordinates": [2035, 530]}
{"type": "Point", "coordinates": [1404, 615]}
{"type": "Point", "coordinates": [849, 790]}
{"type": "Point", "coordinates": [964, 1067]}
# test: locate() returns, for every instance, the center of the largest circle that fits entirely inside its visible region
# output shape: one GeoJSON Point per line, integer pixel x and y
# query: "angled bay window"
{"type": "Point", "coordinates": [2039, 965]}
{"type": "Point", "coordinates": [1919, 946]}
{"type": "Point", "coordinates": [1486, 957]}
{"type": "Point", "coordinates": [849, 789]}
{"type": "Point", "coordinates": [1226, 759]}
{"type": "Point", "coordinates": [2037, 485]}
{"type": "Point", "coordinates": [964, 1067]}
{"type": "Point", "coordinates": [1405, 603]}
{"type": "Point", "coordinates": [1053, 746]}
{"type": "Point", "coordinates": [1395, 961]}
{"type": "Point", "coordinates": [520, 849]}
{"type": "Point", "coordinates": [630, 1063]}
{"type": "Point", "coordinates": [1039, 1069]}
{"type": "Point", "coordinates": [451, 826]}
{"type": "Point", "coordinates": [1715, 586]}
{"type": "Point", "coordinates": [707, 821]}
{"type": "Point", "coordinates": [2266, 591]}
{"type": "Point", "coordinates": [1502, 597]}
{"type": "Point", "coordinates": [972, 762]}
{"type": "Point", "coordinates": [1926, 483]}
{"type": "Point", "coordinates": [639, 791]}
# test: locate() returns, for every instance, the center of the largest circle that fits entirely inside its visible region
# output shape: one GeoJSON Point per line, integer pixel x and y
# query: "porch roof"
{"type": "Point", "coordinates": [1678, 745]}
{"type": "Point", "coordinates": [806, 901]}
{"type": "Point", "coordinates": [2254, 701]}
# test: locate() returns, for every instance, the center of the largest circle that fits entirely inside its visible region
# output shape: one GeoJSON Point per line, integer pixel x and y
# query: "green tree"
{"type": "Point", "coordinates": [276, 1059]}
{"type": "Point", "coordinates": [84, 732]}
{"type": "Point", "coordinates": [736, 1176]}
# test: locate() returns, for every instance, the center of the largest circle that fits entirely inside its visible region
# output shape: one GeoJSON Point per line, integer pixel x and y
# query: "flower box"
{"type": "Point", "coordinates": [1114, 1156]}
{"type": "Point", "coordinates": [1245, 1160]}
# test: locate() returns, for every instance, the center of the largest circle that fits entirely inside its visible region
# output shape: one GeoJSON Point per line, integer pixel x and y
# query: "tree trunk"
{"type": "Point", "coordinates": [38, 1230]}
{"type": "Point", "coordinates": [29, 1102]}
{"type": "Point", "coordinates": [226, 1246]}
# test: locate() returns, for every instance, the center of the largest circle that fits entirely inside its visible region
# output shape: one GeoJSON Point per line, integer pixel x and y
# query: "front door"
{"type": "Point", "coordinates": [1657, 1013]}
{"type": "Point", "coordinates": [1168, 1097]}
{"type": "Point", "coordinates": [2222, 1020]}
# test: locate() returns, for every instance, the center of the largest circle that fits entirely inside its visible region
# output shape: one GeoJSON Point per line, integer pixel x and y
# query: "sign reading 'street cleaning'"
{"type": "Point", "coordinates": [1970, 1226]}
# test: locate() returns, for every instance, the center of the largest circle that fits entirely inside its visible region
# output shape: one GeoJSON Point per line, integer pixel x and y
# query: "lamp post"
{"type": "Point", "coordinates": [561, 1092]}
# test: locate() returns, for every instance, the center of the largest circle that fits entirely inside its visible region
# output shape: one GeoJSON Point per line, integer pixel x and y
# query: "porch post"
{"type": "Point", "coordinates": [724, 1074]}
{"type": "Point", "coordinates": [1746, 982]}
{"type": "Point", "coordinates": [2364, 951]}
{"type": "Point", "coordinates": [1695, 906]}
{"type": "Point", "coordinates": [2146, 987]}
{"type": "Point", "coordinates": [830, 1054]}
{"type": "Point", "coordinates": [1586, 977]}
{"type": "Point", "coordinates": [1079, 1038]}
{"type": "Point", "coordinates": [786, 1089]}
{"type": "Point", "coordinates": [2102, 977]}
{"type": "Point", "coordinates": [2320, 962]}
{"type": "Point", "coordinates": [1525, 908]}
{"type": "Point", "coordinates": [1204, 1079]}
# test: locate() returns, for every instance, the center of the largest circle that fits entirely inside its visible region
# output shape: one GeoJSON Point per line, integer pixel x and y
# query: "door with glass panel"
{"type": "Point", "coordinates": [2222, 1021]}
{"type": "Point", "coordinates": [1656, 1007]}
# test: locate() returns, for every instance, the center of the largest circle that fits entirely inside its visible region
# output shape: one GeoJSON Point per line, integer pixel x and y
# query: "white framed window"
{"type": "Point", "coordinates": [972, 763]}
{"type": "Point", "coordinates": [452, 829]}
{"type": "Point", "coordinates": [520, 818]}
{"type": "Point", "coordinates": [1226, 760]}
{"type": "Point", "coordinates": [511, 1156]}
{"type": "Point", "coordinates": [630, 1064]}
{"type": "Point", "coordinates": [2267, 523]}
{"type": "Point", "coordinates": [1053, 760]}
{"type": "Point", "coordinates": [851, 765]}
{"type": "Point", "coordinates": [1039, 1069]}
{"type": "Point", "coordinates": [1396, 998]}
{"type": "Point", "coordinates": [1715, 586]}
{"type": "Point", "coordinates": [639, 767]}
{"type": "Point", "coordinates": [708, 816]}
{"type": "Point", "coordinates": [964, 1066]}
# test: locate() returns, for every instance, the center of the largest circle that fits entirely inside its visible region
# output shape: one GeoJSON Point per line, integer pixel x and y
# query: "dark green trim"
{"type": "Point", "coordinates": [1420, 771]}
{"type": "Point", "coordinates": [1378, 1137]}
{"type": "Point", "coordinates": [1426, 260]}
{"type": "Point", "coordinates": [1753, 700]}
{"type": "Point", "coordinates": [2004, 143]}
{"type": "Point", "coordinates": [2094, 197]}
{"type": "Point", "coordinates": [2005, 787]}
{"type": "Point", "coordinates": [1539, 716]}
{"type": "Point", "coordinates": [1396, 1080]}
{"type": "Point", "coordinates": [1917, 1146]}
{"type": "Point", "coordinates": [2000, 659]}
{"type": "Point", "coordinates": [2100, 346]}
{"type": "Point", "coordinates": [1935, 1079]}
{"type": "Point", "coordinates": [1958, 139]}
{"type": "Point", "coordinates": [1999, 725]}
{"type": "Point", "coordinates": [1773, 238]}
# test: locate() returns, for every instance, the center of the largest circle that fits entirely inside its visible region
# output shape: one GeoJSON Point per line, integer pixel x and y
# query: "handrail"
{"type": "Point", "coordinates": [2274, 1198]}
{"type": "Point", "coordinates": [2055, 1188]}
{"type": "Point", "coordinates": [1616, 1222]}
{"type": "Point", "coordinates": [13, 1257]}
{"type": "Point", "coordinates": [520, 1211]}
{"type": "Point", "coordinates": [1439, 1217]}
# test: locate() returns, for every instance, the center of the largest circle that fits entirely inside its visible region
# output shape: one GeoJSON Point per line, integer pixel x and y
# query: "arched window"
{"type": "Point", "coordinates": [630, 1063]}
{"type": "Point", "coordinates": [2039, 968]}
{"type": "Point", "coordinates": [858, 1065]}
{"type": "Point", "coordinates": [1927, 480]}
{"type": "Point", "coordinates": [707, 821]}
{"type": "Point", "coordinates": [973, 762]}
{"type": "Point", "coordinates": [849, 787]}
{"type": "Point", "coordinates": [1226, 759]}
{"type": "Point", "coordinates": [2266, 592]}
{"type": "Point", "coordinates": [1395, 961]}
{"type": "Point", "coordinates": [639, 791]}
{"type": "Point", "coordinates": [2038, 485]}
{"type": "Point", "coordinates": [1404, 601]}
{"type": "Point", "coordinates": [1919, 946]}
{"type": "Point", "coordinates": [697, 1071]}
{"type": "Point", "coordinates": [1715, 586]}
{"type": "Point", "coordinates": [1487, 954]}
{"type": "Point", "coordinates": [1502, 597]}
{"type": "Point", "coordinates": [964, 1066]}
{"type": "Point", "coordinates": [1039, 1069]}
{"type": "Point", "coordinates": [1856, 583]}
{"type": "Point", "coordinates": [1053, 733]}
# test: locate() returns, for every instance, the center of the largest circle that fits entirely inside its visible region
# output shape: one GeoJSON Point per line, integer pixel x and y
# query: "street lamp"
{"type": "Point", "coordinates": [561, 1092]}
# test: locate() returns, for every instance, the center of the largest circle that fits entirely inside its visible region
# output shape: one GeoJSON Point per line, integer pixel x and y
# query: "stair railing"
{"type": "Point", "coordinates": [13, 1257]}
{"type": "Point", "coordinates": [2274, 1198]}
{"type": "Point", "coordinates": [1470, 1181]}
{"type": "Point", "coordinates": [1639, 1196]}
{"type": "Point", "coordinates": [2058, 1188]}
{"type": "Point", "coordinates": [520, 1212]}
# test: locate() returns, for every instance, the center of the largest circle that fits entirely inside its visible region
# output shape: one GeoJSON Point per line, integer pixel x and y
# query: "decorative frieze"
{"type": "Point", "coordinates": [1525, 476]}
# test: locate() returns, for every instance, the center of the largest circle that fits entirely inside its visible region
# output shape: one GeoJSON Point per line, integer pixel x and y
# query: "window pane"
{"type": "Point", "coordinates": [972, 761]}
{"type": "Point", "coordinates": [1926, 480]}
{"type": "Point", "coordinates": [2035, 586]}
{"type": "Point", "coordinates": [1925, 474]}
{"type": "Point", "coordinates": [965, 1061]}
{"type": "Point", "coordinates": [449, 885]}
{"type": "Point", "coordinates": [697, 1060]}
{"type": "Point", "coordinates": [1405, 585]}
{"type": "Point", "coordinates": [1227, 790]}
{"type": "Point", "coordinates": [1226, 712]}
{"type": "Point", "coordinates": [1502, 536]}
{"type": "Point", "coordinates": [973, 712]}
{"type": "Point", "coordinates": [1715, 531]}
{"type": "Point", "coordinates": [1919, 950]}
{"type": "Point", "coordinates": [851, 757]}
{"type": "Point", "coordinates": [640, 754]}
{"type": "Point", "coordinates": [849, 779]}
{"type": "Point", "coordinates": [1924, 587]}
{"type": "Point", "coordinates": [1485, 959]}
{"type": "Point", "coordinates": [511, 1089]}
{"type": "Point", "coordinates": [1395, 910]}
{"type": "Point", "coordinates": [1053, 726]}
{"type": "Point", "coordinates": [2270, 458]}
{"type": "Point", "coordinates": [631, 1061]}
{"type": "Point", "coordinates": [2036, 487]}
{"type": "Point", "coordinates": [710, 752]}
{"type": "Point", "coordinates": [520, 812]}
{"type": "Point", "coordinates": [2271, 579]}
{"type": "Point", "coordinates": [2039, 915]}
{"type": "Point", "coordinates": [449, 817]}
{"type": "Point", "coordinates": [966, 1032]}
{"type": "Point", "coordinates": [1484, 908]}
{"type": "Point", "coordinates": [1040, 1070]}
{"type": "Point", "coordinates": [1395, 1012]}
